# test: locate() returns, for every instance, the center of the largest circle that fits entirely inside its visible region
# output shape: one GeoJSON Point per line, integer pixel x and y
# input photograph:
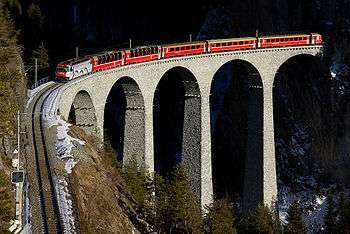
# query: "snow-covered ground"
{"type": "Point", "coordinates": [65, 144]}
{"type": "Point", "coordinates": [314, 207]}
{"type": "Point", "coordinates": [65, 204]}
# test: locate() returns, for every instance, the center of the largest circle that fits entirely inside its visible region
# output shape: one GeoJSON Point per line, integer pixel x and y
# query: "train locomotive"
{"type": "Point", "coordinates": [73, 68]}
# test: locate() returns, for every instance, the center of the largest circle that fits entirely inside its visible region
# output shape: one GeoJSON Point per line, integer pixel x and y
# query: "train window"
{"type": "Point", "coordinates": [192, 47]}
{"type": "Point", "coordinates": [241, 42]}
{"type": "Point", "coordinates": [177, 49]}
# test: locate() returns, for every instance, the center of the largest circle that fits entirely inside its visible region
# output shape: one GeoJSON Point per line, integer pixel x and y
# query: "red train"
{"type": "Point", "coordinates": [74, 68]}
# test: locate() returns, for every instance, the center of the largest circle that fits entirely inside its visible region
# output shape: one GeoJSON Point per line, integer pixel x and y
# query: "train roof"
{"type": "Point", "coordinates": [140, 47]}
{"type": "Point", "coordinates": [183, 43]}
{"type": "Point", "coordinates": [105, 53]}
{"type": "Point", "coordinates": [232, 39]}
{"type": "Point", "coordinates": [285, 35]}
{"type": "Point", "coordinates": [75, 61]}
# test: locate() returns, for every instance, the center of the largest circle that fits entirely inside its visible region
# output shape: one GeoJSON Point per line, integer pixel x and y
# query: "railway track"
{"type": "Point", "coordinates": [45, 217]}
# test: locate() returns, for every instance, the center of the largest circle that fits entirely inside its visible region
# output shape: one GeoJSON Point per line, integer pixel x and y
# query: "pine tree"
{"type": "Point", "coordinates": [14, 4]}
{"type": "Point", "coordinates": [12, 82]}
{"type": "Point", "coordinates": [42, 57]}
{"type": "Point", "coordinates": [344, 214]}
{"type": "Point", "coordinates": [219, 218]}
{"type": "Point", "coordinates": [8, 39]}
{"type": "Point", "coordinates": [176, 210]}
{"type": "Point", "coordinates": [260, 221]}
{"type": "Point", "coordinates": [330, 218]}
{"type": "Point", "coordinates": [32, 29]}
{"type": "Point", "coordinates": [295, 221]}
{"type": "Point", "coordinates": [141, 188]}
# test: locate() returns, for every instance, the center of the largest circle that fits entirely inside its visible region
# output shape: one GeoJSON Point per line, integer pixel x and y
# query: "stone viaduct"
{"type": "Point", "coordinates": [87, 96]}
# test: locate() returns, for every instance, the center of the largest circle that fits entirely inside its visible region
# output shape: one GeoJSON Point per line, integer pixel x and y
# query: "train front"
{"type": "Point", "coordinates": [62, 72]}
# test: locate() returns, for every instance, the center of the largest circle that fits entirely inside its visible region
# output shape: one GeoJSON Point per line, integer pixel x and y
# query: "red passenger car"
{"type": "Point", "coordinates": [181, 49]}
{"type": "Point", "coordinates": [287, 40]}
{"type": "Point", "coordinates": [231, 44]}
{"type": "Point", "coordinates": [142, 54]}
{"type": "Point", "coordinates": [107, 60]}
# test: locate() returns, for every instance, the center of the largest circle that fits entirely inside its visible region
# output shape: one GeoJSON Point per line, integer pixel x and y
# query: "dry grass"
{"type": "Point", "coordinates": [102, 203]}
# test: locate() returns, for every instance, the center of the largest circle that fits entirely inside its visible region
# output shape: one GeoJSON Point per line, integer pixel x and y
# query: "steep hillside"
{"type": "Point", "coordinates": [101, 202]}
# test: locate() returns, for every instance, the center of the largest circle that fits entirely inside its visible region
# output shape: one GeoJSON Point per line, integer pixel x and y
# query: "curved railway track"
{"type": "Point", "coordinates": [44, 205]}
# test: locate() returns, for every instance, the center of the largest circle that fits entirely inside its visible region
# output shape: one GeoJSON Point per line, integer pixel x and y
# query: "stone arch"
{"type": "Point", "coordinates": [177, 125]}
{"type": "Point", "coordinates": [300, 93]}
{"type": "Point", "coordinates": [236, 112]}
{"type": "Point", "coordinates": [124, 121]}
{"type": "Point", "coordinates": [82, 113]}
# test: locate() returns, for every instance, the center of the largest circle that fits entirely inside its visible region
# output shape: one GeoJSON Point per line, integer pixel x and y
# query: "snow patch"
{"type": "Point", "coordinates": [65, 205]}
{"type": "Point", "coordinates": [339, 69]}
{"type": "Point", "coordinates": [65, 143]}
{"type": "Point", "coordinates": [314, 207]}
